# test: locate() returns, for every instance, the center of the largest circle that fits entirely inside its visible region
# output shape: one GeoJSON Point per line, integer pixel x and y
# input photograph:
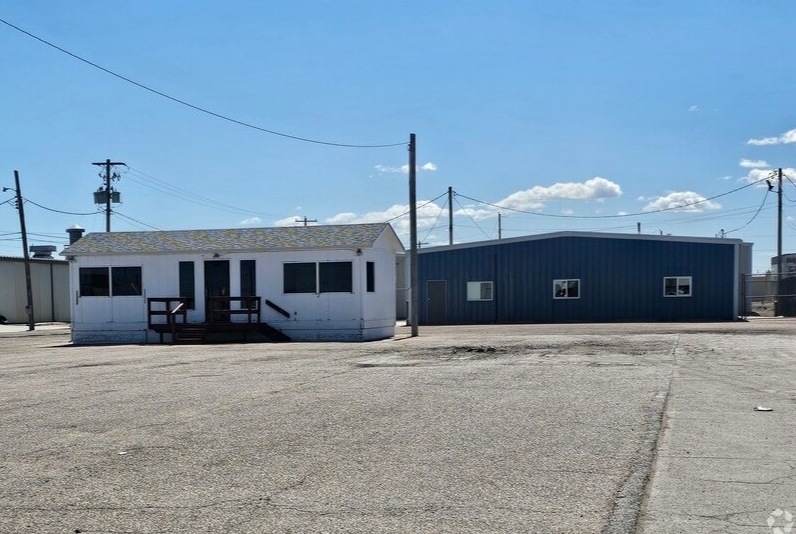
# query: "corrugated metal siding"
{"type": "Point", "coordinates": [49, 282]}
{"type": "Point", "coordinates": [12, 291]}
{"type": "Point", "coordinates": [621, 280]}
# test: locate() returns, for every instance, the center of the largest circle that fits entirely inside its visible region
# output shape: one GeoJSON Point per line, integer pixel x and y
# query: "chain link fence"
{"type": "Point", "coordinates": [769, 295]}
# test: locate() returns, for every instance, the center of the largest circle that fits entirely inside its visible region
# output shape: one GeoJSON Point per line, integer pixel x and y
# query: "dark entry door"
{"type": "Point", "coordinates": [217, 290]}
{"type": "Point", "coordinates": [437, 302]}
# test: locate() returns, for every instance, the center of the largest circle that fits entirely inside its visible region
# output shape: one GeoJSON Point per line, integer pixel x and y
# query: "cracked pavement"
{"type": "Point", "coordinates": [500, 428]}
{"type": "Point", "coordinates": [721, 465]}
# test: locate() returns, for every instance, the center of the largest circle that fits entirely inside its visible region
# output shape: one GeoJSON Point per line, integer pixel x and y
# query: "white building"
{"type": "Point", "coordinates": [310, 283]}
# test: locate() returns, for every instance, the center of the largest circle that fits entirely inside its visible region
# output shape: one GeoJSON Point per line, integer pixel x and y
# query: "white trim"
{"type": "Point", "coordinates": [476, 288]}
{"type": "Point", "coordinates": [677, 283]}
{"type": "Point", "coordinates": [556, 289]}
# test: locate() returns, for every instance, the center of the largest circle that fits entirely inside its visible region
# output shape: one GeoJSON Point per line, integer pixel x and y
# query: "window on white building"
{"type": "Point", "coordinates": [323, 277]}
{"type": "Point", "coordinates": [110, 281]}
{"type": "Point", "coordinates": [126, 281]}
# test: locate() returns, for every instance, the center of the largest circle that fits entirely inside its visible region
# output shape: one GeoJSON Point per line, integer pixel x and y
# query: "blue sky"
{"type": "Point", "coordinates": [559, 115]}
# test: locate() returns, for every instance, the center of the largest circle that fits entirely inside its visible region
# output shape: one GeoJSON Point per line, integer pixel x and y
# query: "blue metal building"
{"type": "Point", "coordinates": [583, 277]}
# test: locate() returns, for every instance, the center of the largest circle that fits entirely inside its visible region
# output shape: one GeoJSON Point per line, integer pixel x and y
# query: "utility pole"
{"type": "Point", "coordinates": [25, 255]}
{"type": "Point", "coordinates": [108, 190]}
{"type": "Point", "coordinates": [779, 241]}
{"type": "Point", "coordinates": [450, 215]}
{"type": "Point", "coordinates": [306, 220]}
{"type": "Point", "coordinates": [500, 226]}
{"type": "Point", "coordinates": [414, 307]}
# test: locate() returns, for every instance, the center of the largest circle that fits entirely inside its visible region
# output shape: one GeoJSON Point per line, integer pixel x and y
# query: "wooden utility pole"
{"type": "Point", "coordinates": [306, 220]}
{"type": "Point", "coordinates": [25, 255]}
{"type": "Point", "coordinates": [778, 306]}
{"type": "Point", "coordinates": [414, 293]}
{"type": "Point", "coordinates": [108, 177]}
{"type": "Point", "coordinates": [450, 215]}
{"type": "Point", "coordinates": [779, 222]}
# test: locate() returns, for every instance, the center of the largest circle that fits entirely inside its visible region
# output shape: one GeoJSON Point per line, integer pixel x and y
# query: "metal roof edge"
{"type": "Point", "coordinates": [597, 235]}
{"type": "Point", "coordinates": [36, 260]}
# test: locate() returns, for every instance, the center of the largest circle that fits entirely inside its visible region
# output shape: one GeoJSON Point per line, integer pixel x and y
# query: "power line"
{"type": "Point", "coordinates": [135, 221]}
{"type": "Point", "coordinates": [466, 212]}
{"type": "Point", "coordinates": [147, 180]}
{"type": "Point", "coordinates": [753, 216]}
{"type": "Point", "coordinates": [404, 214]}
{"type": "Point", "coordinates": [59, 211]}
{"type": "Point", "coordinates": [193, 106]}
{"type": "Point", "coordinates": [434, 226]}
{"type": "Point", "coordinates": [672, 208]}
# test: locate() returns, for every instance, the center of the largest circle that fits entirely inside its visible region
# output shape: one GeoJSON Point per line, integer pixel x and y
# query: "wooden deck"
{"type": "Point", "coordinates": [167, 316]}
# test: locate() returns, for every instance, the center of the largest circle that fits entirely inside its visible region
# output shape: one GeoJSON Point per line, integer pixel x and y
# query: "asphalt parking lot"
{"type": "Point", "coordinates": [512, 428]}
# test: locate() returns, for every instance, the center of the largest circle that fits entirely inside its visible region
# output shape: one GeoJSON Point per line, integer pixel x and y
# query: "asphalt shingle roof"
{"type": "Point", "coordinates": [238, 239]}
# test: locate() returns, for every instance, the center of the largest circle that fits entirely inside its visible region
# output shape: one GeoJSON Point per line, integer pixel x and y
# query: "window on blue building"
{"type": "Point", "coordinates": [677, 286]}
{"type": "Point", "coordinates": [479, 290]}
{"type": "Point", "coordinates": [566, 289]}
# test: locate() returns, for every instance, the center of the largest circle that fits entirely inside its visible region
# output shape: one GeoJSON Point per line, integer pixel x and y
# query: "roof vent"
{"type": "Point", "coordinates": [75, 233]}
{"type": "Point", "coordinates": [42, 251]}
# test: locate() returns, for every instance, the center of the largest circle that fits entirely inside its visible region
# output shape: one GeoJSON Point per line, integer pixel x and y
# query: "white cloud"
{"type": "Point", "coordinates": [405, 168]}
{"type": "Point", "coordinates": [428, 214]}
{"type": "Point", "coordinates": [784, 139]}
{"type": "Point", "coordinates": [755, 175]}
{"type": "Point", "coordinates": [387, 168]}
{"type": "Point", "coordinates": [476, 214]}
{"type": "Point", "coordinates": [693, 109]}
{"type": "Point", "coordinates": [753, 164]}
{"type": "Point", "coordinates": [681, 201]}
{"type": "Point", "coordinates": [533, 199]}
{"type": "Point", "coordinates": [251, 221]}
{"type": "Point", "coordinates": [759, 176]}
{"type": "Point", "coordinates": [764, 141]}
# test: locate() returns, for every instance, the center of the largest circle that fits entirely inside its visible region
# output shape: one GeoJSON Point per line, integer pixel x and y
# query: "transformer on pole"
{"type": "Point", "coordinates": [108, 195]}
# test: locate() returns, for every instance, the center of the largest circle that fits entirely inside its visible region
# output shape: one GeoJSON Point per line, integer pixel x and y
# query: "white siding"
{"type": "Point", "coordinates": [353, 316]}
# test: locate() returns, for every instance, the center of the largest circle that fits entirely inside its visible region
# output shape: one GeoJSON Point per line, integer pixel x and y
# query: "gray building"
{"type": "Point", "coordinates": [584, 277]}
{"type": "Point", "coordinates": [49, 280]}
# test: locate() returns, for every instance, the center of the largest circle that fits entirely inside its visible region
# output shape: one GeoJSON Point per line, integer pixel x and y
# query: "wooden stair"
{"type": "Point", "coordinates": [191, 334]}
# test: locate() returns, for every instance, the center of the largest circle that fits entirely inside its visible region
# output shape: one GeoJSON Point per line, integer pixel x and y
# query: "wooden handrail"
{"type": "Point", "coordinates": [170, 313]}
{"type": "Point", "coordinates": [248, 305]}
{"type": "Point", "coordinates": [277, 308]}
{"type": "Point", "coordinates": [178, 309]}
